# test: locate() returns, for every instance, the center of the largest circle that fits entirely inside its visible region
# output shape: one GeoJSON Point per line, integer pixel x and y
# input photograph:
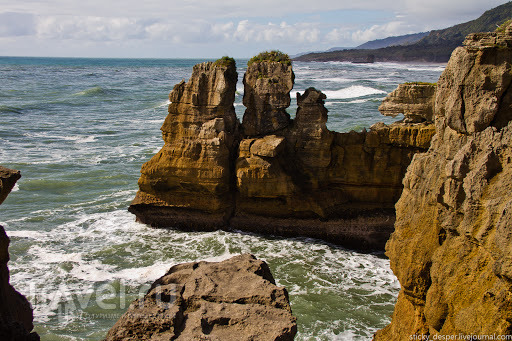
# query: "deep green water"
{"type": "Point", "coordinates": [79, 131]}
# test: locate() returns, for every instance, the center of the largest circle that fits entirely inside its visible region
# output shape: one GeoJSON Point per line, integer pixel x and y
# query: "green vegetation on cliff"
{"type": "Point", "coordinates": [273, 56]}
{"type": "Point", "coordinates": [225, 61]}
{"type": "Point", "coordinates": [437, 46]}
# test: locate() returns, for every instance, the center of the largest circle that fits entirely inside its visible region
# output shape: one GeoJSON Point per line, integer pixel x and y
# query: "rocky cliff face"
{"type": "Point", "coordinates": [414, 100]}
{"type": "Point", "coordinates": [280, 176]}
{"type": "Point", "coordinates": [15, 311]}
{"type": "Point", "coordinates": [267, 89]}
{"type": "Point", "coordinates": [188, 182]}
{"type": "Point", "coordinates": [235, 299]}
{"type": "Point", "coordinates": [451, 249]}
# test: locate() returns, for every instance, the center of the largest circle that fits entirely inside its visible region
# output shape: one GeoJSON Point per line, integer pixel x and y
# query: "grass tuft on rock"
{"type": "Point", "coordinates": [271, 56]}
{"type": "Point", "coordinates": [225, 61]}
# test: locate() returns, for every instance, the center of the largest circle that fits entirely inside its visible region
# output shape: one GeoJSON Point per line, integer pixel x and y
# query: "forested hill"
{"type": "Point", "coordinates": [437, 46]}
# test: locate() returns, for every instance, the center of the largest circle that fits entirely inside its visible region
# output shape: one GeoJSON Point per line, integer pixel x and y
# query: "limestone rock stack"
{"type": "Point", "coordinates": [15, 311]}
{"type": "Point", "coordinates": [267, 87]}
{"type": "Point", "coordinates": [277, 176]}
{"type": "Point", "coordinates": [236, 299]}
{"type": "Point", "coordinates": [414, 100]}
{"type": "Point", "coordinates": [188, 182]}
{"type": "Point", "coordinates": [452, 245]}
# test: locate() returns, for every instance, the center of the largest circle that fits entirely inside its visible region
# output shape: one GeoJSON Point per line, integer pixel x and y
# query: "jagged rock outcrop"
{"type": "Point", "coordinates": [451, 249]}
{"type": "Point", "coordinates": [414, 100]}
{"type": "Point", "coordinates": [280, 176]}
{"type": "Point", "coordinates": [267, 87]}
{"type": "Point", "coordinates": [339, 187]}
{"type": "Point", "coordinates": [236, 299]}
{"type": "Point", "coordinates": [188, 183]}
{"type": "Point", "coordinates": [15, 311]}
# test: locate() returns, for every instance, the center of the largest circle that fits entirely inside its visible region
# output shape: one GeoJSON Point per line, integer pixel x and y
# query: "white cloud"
{"type": "Point", "coordinates": [389, 29]}
{"type": "Point", "coordinates": [224, 26]}
{"type": "Point", "coordinates": [276, 33]}
{"type": "Point", "coordinates": [89, 28]}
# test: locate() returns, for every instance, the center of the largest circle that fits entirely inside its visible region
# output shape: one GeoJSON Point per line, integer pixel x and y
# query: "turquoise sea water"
{"type": "Point", "coordinates": [79, 131]}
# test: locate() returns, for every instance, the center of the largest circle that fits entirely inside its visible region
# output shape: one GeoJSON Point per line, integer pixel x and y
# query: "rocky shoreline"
{"type": "Point", "coordinates": [450, 245]}
{"type": "Point", "coordinates": [271, 174]}
{"type": "Point", "coordinates": [452, 241]}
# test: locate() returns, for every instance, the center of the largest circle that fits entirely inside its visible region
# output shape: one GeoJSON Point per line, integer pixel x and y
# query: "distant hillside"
{"type": "Point", "coordinates": [437, 46]}
{"type": "Point", "coordinates": [392, 41]}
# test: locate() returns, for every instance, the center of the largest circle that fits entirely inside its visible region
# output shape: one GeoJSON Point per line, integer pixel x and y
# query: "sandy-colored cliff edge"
{"type": "Point", "coordinates": [451, 249]}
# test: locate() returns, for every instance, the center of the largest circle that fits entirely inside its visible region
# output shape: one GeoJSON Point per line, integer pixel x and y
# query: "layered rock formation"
{"type": "Point", "coordinates": [451, 249]}
{"type": "Point", "coordinates": [267, 89]}
{"type": "Point", "coordinates": [15, 311]}
{"type": "Point", "coordinates": [414, 100]}
{"type": "Point", "coordinates": [188, 182]}
{"type": "Point", "coordinates": [235, 299]}
{"type": "Point", "coordinates": [278, 176]}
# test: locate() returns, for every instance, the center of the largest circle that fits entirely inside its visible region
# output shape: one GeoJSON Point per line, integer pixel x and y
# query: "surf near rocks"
{"type": "Point", "coordinates": [271, 174]}
{"type": "Point", "coordinates": [15, 311]}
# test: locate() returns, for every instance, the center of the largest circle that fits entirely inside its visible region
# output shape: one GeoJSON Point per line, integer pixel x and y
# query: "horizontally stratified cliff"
{"type": "Point", "coordinates": [452, 245]}
{"type": "Point", "coordinates": [15, 311]}
{"type": "Point", "coordinates": [272, 174]}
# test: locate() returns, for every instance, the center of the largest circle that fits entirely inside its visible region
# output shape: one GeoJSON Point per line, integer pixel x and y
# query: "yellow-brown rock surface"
{"type": "Point", "coordinates": [267, 87]}
{"type": "Point", "coordinates": [452, 245]}
{"type": "Point", "coordinates": [188, 182]}
{"type": "Point", "coordinates": [280, 176]}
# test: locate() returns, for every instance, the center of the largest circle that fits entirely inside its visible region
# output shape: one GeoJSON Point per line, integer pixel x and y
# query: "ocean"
{"type": "Point", "coordinates": [79, 131]}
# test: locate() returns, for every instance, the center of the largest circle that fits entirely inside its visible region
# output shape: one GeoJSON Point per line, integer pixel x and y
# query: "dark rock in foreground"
{"type": "Point", "coordinates": [15, 311]}
{"type": "Point", "coordinates": [235, 299]}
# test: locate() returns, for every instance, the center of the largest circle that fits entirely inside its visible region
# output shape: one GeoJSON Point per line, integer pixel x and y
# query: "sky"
{"type": "Point", "coordinates": [212, 28]}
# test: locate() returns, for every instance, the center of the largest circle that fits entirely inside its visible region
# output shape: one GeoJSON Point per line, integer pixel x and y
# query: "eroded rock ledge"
{"type": "Point", "coordinates": [15, 310]}
{"type": "Point", "coordinates": [271, 174]}
{"type": "Point", "coordinates": [235, 299]}
{"type": "Point", "coordinates": [452, 245]}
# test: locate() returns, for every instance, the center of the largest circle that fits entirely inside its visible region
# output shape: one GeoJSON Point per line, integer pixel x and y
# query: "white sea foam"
{"type": "Point", "coordinates": [15, 188]}
{"type": "Point", "coordinates": [356, 101]}
{"type": "Point", "coordinates": [27, 234]}
{"type": "Point", "coordinates": [163, 104]}
{"type": "Point", "coordinates": [352, 92]}
{"type": "Point", "coordinates": [88, 239]}
{"type": "Point", "coordinates": [333, 79]}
